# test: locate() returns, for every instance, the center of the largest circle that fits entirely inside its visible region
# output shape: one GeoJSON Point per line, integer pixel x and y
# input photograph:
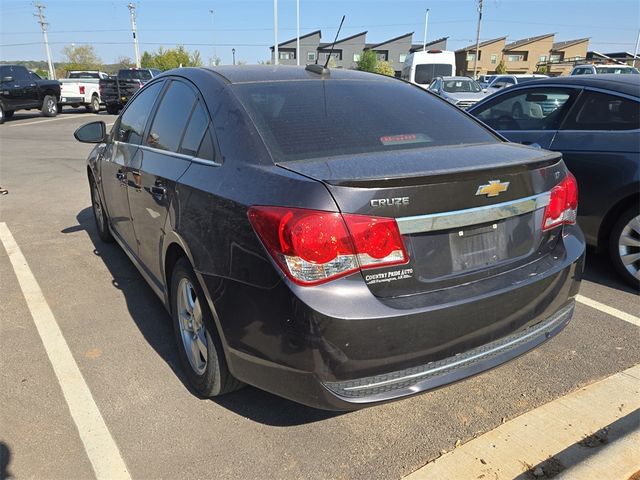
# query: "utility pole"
{"type": "Point", "coordinates": [213, 41]}
{"type": "Point", "coordinates": [275, 31]}
{"type": "Point", "coordinates": [475, 58]}
{"type": "Point", "coordinates": [134, 29]}
{"type": "Point", "coordinates": [43, 27]}
{"type": "Point", "coordinates": [298, 32]}
{"type": "Point", "coordinates": [635, 52]}
{"type": "Point", "coordinates": [424, 39]}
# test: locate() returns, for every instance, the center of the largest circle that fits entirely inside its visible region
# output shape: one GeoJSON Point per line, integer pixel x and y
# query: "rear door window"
{"type": "Point", "coordinates": [171, 117]}
{"type": "Point", "coordinates": [318, 118]}
{"type": "Point", "coordinates": [601, 111]}
{"type": "Point", "coordinates": [530, 109]}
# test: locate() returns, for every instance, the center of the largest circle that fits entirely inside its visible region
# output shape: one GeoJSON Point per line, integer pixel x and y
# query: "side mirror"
{"type": "Point", "coordinates": [7, 79]}
{"type": "Point", "coordinates": [92, 132]}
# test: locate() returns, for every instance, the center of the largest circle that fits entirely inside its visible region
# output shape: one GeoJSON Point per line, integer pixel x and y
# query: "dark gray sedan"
{"type": "Point", "coordinates": [594, 122]}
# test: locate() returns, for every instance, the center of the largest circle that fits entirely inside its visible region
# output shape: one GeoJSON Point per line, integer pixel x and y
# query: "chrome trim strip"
{"type": "Point", "coordinates": [555, 319]}
{"type": "Point", "coordinates": [472, 216]}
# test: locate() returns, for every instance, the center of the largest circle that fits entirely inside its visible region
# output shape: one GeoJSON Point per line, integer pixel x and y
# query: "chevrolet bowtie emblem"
{"type": "Point", "coordinates": [493, 188]}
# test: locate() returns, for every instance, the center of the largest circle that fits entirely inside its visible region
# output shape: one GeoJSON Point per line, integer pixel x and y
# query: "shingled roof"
{"type": "Point", "coordinates": [482, 44]}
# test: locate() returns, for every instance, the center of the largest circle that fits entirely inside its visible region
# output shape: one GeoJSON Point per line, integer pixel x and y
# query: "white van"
{"type": "Point", "coordinates": [422, 67]}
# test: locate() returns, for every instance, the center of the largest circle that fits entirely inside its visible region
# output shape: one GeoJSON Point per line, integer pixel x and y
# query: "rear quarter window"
{"type": "Point", "coordinates": [601, 111]}
{"type": "Point", "coordinates": [317, 118]}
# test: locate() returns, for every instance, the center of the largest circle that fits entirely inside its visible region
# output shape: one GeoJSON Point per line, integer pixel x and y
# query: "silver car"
{"type": "Point", "coordinates": [461, 91]}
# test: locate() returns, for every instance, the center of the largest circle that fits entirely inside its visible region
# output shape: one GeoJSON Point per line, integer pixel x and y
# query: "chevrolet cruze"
{"type": "Point", "coordinates": [335, 237]}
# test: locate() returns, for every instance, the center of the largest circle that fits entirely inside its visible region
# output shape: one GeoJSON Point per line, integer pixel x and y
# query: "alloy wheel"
{"type": "Point", "coordinates": [629, 246]}
{"type": "Point", "coordinates": [192, 328]}
{"type": "Point", "coordinates": [97, 206]}
{"type": "Point", "coordinates": [51, 106]}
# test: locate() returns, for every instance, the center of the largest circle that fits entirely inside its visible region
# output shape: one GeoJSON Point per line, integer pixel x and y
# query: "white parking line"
{"type": "Point", "coordinates": [64, 117]}
{"type": "Point", "coordinates": [553, 430]}
{"type": "Point", "coordinates": [627, 317]}
{"type": "Point", "coordinates": [98, 443]}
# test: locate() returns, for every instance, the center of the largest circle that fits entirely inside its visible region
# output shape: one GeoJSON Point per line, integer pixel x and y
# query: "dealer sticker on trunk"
{"type": "Point", "coordinates": [385, 277]}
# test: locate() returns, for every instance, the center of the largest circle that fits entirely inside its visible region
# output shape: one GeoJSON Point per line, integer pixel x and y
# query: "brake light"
{"type": "Point", "coordinates": [81, 90]}
{"type": "Point", "coordinates": [563, 204]}
{"type": "Point", "coordinates": [313, 246]}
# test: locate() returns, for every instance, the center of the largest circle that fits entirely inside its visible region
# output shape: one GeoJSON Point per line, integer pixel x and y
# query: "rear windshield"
{"type": "Point", "coordinates": [310, 119]}
{"type": "Point", "coordinates": [84, 75]}
{"type": "Point", "coordinates": [134, 74]}
{"type": "Point", "coordinates": [427, 72]}
{"type": "Point", "coordinates": [616, 70]}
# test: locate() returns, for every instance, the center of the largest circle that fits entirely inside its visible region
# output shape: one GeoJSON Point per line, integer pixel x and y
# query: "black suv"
{"type": "Point", "coordinates": [335, 237]}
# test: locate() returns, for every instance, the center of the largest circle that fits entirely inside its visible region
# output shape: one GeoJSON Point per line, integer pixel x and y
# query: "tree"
{"type": "Point", "coordinates": [81, 57]}
{"type": "Point", "coordinates": [368, 61]}
{"type": "Point", "coordinates": [215, 61]}
{"type": "Point", "coordinates": [501, 69]}
{"type": "Point", "coordinates": [542, 69]}
{"type": "Point", "coordinates": [171, 58]}
{"type": "Point", "coordinates": [383, 67]}
{"type": "Point", "coordinates": [125, 62]}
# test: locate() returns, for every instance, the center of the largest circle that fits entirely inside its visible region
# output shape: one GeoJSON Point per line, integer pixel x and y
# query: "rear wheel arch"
{"type": "Point", "coordinates": [611, 217]}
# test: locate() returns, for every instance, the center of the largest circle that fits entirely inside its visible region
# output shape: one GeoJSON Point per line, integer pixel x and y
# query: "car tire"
{"type": "Point", "coordinates": [2, 114]}
{"type": "Point", "coordinates": [49, 106]}
{"type": "Point", "coordinates": [99, 213]}
{"type": "Point", "coordinates": [624, 246]}
{"type": "Point", "coordinates": [9, 113]}
{"type": "Point", "coordinates": [199, 345]}
{"type": "Point", "coordinates": [94, 106]}
{"type": "Point", "coordinates": [112, 109]}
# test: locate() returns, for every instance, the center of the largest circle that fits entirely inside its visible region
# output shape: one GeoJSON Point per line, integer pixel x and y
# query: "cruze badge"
{"type": "Point", "coordinates": [389, 202]}
{"type": "Point", "coordinates": [493, 188]}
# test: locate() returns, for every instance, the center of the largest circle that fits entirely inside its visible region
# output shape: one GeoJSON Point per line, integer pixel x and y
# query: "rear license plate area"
{"type": "Point", "coordinates": [478, 246]}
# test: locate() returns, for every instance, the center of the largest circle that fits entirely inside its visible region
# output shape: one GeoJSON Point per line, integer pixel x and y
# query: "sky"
{"type": "Point", "coordinates": [247, 25]}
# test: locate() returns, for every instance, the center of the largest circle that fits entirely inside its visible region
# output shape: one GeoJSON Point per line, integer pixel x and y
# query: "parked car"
{"type": "Point", "coordinates": [484, 80]}
{"type": "Point", "coordinates": [503, 81]}
{"type": "Point", "coordinates": [81, 88]}
{"type": "Point", "coordinates": [116, 91]}
{"type": "Point", "coordinates": [600, 69]}
{"type": "Point", "coordinates": [595, 124]}
{"type": "Point", "coordinates": [461, 91]}
{"type": "Point", "coordinates": [423, 66]}
{"type": "Point", "coordinates": [334, 237]}
{"type": "Point", "coordinates": [21, 90]}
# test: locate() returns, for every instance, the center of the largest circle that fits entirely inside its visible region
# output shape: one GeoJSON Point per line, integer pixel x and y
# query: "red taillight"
{"type": "Point", "coordinates": [81, 90]}
{"type": "Point", "coordinates": [313, 246]}
{"type": "Point", "coordinates": [563, 204]}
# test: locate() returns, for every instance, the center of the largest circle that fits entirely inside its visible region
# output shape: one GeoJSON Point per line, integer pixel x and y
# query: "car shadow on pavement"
{"type": "Point", "coordinates": [154, 323]}
{"type": "Point", "coordinates": [600, 270]}
{"type": "Point", "coordinates": [5, 459]}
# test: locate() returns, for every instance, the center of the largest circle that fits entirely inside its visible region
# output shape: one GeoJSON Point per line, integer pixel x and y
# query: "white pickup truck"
{"type": "Point", "coordinates": [81, 88]}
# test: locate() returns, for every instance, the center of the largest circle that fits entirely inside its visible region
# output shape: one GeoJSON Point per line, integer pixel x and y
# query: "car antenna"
{"type": "Point", "coordinates": [323, 70]}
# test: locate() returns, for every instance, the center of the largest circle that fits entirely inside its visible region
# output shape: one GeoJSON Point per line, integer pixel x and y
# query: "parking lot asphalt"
{"type": "Point", "coordinates": [121, 339]}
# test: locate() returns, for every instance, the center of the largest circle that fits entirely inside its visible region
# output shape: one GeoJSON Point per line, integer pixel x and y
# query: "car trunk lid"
{"type": "Point", "coordinates": [456, 224]}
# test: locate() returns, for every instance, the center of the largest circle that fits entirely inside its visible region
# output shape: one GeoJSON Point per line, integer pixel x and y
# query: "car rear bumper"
{"type": "Point", "coordinates": [341, 348]}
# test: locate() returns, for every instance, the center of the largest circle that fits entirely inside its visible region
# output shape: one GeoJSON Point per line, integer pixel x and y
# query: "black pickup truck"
{"type": "Point", "coordinates": [21, 89]}
{"type": "Point", "coordinates": [116, 91]}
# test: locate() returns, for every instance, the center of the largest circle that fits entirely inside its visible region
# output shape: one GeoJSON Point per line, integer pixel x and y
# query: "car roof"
{"type": "Point", "coordinates": [459, 77]}
{"type": "Point", "coordinates": [627, 84]}
{"type": "Point", "coordinates": [279, 73]}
